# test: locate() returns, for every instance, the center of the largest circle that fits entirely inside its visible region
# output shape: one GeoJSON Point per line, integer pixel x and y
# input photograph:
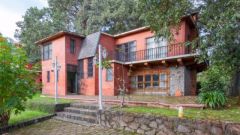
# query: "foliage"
{"type": "Point", "coordinates": [162, 15]}
{"type": "Point", "coordinates": [205, 114]}
{"type": "Point", "coordinates": [82, 16]}
{"type": "Point", "coordinates": [26, 115]}
{"type": "Point", "coordinates": [43, 104]}
{"type": "Point", "coordinates": [112, 16]}
{"type": "Point", "coordinates": [214, 79]}
{"type": "Point", "coordinates": [17, 82]}
{"type": "Point", "coordinates": [36, 24]}
{"type": "Point", "coordinates": [213, 99]}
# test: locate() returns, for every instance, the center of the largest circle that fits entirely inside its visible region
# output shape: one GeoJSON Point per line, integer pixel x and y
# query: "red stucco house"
{"type": "Point", "coordinates": [147, 65]}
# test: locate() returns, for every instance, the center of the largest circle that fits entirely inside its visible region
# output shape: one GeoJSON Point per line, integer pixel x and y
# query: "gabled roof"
{"type": "Point", "coordinates": [89, 46]}
{"type": "Point", "coordinates": [57, 35]}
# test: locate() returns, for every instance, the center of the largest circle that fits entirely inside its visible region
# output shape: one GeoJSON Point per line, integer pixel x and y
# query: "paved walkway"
{"type": "Point", "coordinates": [56, 127]}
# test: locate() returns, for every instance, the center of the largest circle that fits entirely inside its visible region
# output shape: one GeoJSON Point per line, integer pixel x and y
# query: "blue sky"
{"type": "Point", "coordinates": [12, 11]}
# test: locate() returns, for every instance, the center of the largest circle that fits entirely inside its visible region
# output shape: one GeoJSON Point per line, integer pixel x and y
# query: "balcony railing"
{"type": "Point", "coordinates": [153, 53]}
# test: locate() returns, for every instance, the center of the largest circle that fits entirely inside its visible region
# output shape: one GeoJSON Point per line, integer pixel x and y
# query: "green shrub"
{"type": "Point", "coordinates": [213, 99]}
{"type": "Point", "coordinates": [41, 106]}
{"type": "Point", "coordinates": [214, 79]}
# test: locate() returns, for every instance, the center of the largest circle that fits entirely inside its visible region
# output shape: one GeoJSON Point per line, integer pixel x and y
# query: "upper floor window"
{"type": "Point", "coordinates": [47, 51]}
{"type": "Point", "coordinates": [72, 46]}
{"type": "Point", "coordinates": [109, 76]}
{"type": "Point", "coordinates": [90, 67]}
{"type": "Point", "coordinates": [156, 48]}
{"type": "Point", "coordinates": [127, 51]}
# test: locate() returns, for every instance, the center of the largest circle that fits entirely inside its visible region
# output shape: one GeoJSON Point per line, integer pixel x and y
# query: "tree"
{"type": "Point", "coordinates": [219, 24]}
{"type": "Point", "coordinates": [82, 16]}
{"type": "Point", "coordinates": [17, 82]}
{"type": "Point", "coordinates": [36, 24]}
{"type": "Point", "coordinates": [112, 16]}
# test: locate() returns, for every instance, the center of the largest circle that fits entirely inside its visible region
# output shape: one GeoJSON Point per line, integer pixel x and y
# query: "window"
{"type": "Point", "coordinates": [72, 46]}
{"type": "Point", "coordinates": [133, 82]}
{"type": "Point", "coordinates": [150, 81]}
{"type": "Point", "coordinates": [147, 81]}
{"type": "Point", "coordinates": [155, 80]}
{"type": "Point", "coordinates": [127, 51]}
{"type": "Point", "coordinates": [48, 76]}
{"type": "Point", "coordinates": [156, 48]}
{"type": "Point", "coordinates": [163, 81]}
{"type": "Point", "coordinates": [90, 67]}
{"type": "Point", "coordinates": [140, 81]}
{"type": "Point", "coordinates": [109, 76]}
{"type": "Point", "coordinates": [80, 69]}
{"type": "Point", "coordinates": [47, 52]}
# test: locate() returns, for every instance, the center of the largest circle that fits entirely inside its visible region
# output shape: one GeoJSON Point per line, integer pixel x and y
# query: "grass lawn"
{"type": "Point", "coordinates": [26, 115]}
{"type": "Point", "coordinates": [42, 99]}
{"type": "Point", "coordinates": [229, 114]}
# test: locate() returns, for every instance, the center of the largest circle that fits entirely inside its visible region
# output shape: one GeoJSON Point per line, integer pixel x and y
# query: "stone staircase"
{"type": "Point", "coordinates": [79, 113]}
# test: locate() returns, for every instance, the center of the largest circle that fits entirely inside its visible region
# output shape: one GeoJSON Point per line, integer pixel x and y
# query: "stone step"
{"type": "Point", "coordinates": [84, 106]}
{"type": "Point", "coordinates": [73, 121]}
{"type": "Point", "coordinates": [77, 117]}
{"type": "Point", "coordinates": [81, 111]}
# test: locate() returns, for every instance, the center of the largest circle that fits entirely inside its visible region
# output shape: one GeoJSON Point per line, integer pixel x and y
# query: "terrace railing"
{"type": "Point", "coordinates": [152, 53]}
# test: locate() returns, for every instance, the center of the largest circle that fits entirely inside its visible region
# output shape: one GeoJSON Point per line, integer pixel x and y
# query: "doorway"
{"type": "Point", "coordinates": [71, 79]}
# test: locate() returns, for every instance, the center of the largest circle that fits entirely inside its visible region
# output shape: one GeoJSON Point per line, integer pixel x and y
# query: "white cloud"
{"type": "Point", "coordinates": [8, 22]}
{"type": "Point", "coordinates": [12, 11]}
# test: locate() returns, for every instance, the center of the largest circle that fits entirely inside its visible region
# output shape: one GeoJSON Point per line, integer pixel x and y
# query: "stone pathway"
{"type": "Point", "coordinates": [56, 127]}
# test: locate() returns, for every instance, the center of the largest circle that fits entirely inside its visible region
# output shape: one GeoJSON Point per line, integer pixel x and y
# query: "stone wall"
{"type": "Point", "coordinates": [177, 80]}
{"type": "Point", "coordinates": [159, 125]}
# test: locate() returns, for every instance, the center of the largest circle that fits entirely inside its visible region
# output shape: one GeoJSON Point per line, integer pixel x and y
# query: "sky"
{"type": "Point", "coordinates": [12, 11]}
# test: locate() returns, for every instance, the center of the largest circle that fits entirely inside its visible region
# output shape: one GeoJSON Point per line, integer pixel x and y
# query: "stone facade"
{"type": "Point", "coordinates": [177, 80]}
{"type": "Point", "coordinates": [159, 125]}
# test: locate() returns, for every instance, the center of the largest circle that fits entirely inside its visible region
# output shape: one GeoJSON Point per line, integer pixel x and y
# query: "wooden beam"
{"type": "Point", "coordinates": [180, 62]}
{"type": "Point", "coordinates": [165, 63]}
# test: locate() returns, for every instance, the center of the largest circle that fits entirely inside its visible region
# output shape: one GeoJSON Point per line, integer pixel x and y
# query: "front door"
{"type": "Point", "coordinates": [72, 79]}
{"type": "Point", "coordinates": [71, 83]}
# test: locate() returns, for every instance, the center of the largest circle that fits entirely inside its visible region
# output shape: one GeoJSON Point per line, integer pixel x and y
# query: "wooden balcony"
{"type": "Point", "coordinates": [164, 52]}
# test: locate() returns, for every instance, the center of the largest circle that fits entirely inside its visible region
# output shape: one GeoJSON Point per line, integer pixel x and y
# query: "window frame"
{"type": "Point", "coordinates": [72, 46]}
{"type": "Point", "coordinates": [128, 50]}
{"type": "Point", "coordinates": [48, 76]}
{"type": "Point", "coordinates": [109, 71]}
{"type": "Point", "coordinates": [90, 67]}
{"type": "Point", "coordinates": [81, 68]}
{"type": "Point", "coordinates": [47, 51]}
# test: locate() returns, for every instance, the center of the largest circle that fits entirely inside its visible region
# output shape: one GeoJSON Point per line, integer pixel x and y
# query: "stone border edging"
{"type": "Point", "coordinates": [25, 123]}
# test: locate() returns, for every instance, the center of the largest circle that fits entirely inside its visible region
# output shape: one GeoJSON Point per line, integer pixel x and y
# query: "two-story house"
{"type": "Point", "coordinates": [139, 61]}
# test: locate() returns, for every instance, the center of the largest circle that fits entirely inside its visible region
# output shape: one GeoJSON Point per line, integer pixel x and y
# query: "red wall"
{"type": "Point", "coordinates": [89, 85]}
{"type": "Point", "coordinates": [58, 49]}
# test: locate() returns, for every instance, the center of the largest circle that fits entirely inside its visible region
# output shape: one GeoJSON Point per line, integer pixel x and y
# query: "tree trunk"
{"type": "Point", "coordinates": [4, 118]}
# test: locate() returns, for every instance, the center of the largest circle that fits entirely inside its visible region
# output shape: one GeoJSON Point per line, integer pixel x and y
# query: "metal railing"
{"type": "Point", "coordinates": [152, 53]}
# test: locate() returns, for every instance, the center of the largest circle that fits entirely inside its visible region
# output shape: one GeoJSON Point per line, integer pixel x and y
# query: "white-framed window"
{"type": "Point", "coordinates": [133, 80]}
{"type": "Point", "coordinates": [109, 74]}
{"type": "Point", "coordinates": [127, 51]}
{"type": "Point", "coordinates": [163, 80]}
{"type": "Point", "coordinates": [156, 48]}
{"type": "Point", "coordinates": [47, 51]}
